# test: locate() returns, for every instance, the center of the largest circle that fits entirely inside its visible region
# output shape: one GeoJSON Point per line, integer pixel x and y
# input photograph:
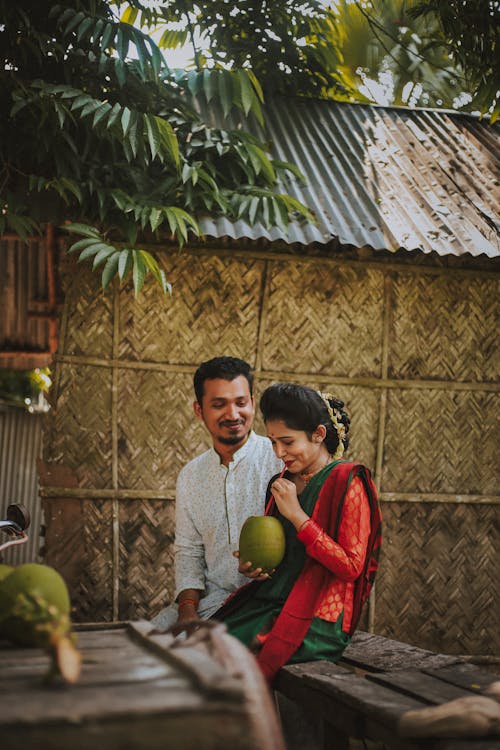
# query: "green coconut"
{"type": "Point", "coordinates": [262, 542]}
{"type": "Point", "coordinates": [34, 611]}
{"type": "Point", "coordinates": [33, 602]}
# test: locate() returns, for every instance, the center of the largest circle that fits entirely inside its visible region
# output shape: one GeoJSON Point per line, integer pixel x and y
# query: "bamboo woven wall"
{"type": "Point", "coordinates": [413, 352]}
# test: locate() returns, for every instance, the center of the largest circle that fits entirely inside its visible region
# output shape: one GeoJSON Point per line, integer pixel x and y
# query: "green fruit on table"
{"type": "Point", "coordinates": [33, 597]}
{"type": "Point", "coordinates": [36, 580]}
{"type": "Point", "coordinates": [262, 542]}
{"type": "Point", "coordinates": [34, 611]}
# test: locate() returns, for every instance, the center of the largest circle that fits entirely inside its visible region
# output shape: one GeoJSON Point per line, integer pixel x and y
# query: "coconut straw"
{"type": "Point", "coordinates": [271, 499]}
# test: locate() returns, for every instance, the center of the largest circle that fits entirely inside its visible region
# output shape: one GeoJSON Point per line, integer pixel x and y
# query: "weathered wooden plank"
{"type": "Point", "coordinates": [342, 706]}
{"type": "Point", "coordinates": [41, 704]}
{"type": "Point", "coordinates": [106, 673]}
{"type": "Point", "coordinates": [467, 676]}
{"type": "Point", "coordinates": [203, 670]}
{"type": "Point", "coordinates": [103, 639]}
{"type": "Point", "coordinates": [319, 705]}
{"type": "Point", "coordinates": [374, 653]}
{"type": "Point", "coordinates": [211, 731]}
{"type": "Point", "coordinates": [353, 706]}
{"type": "Point", "coordinates": [418, 685]}
{"type": "Point", "coordinates": [344, 689]}
{"type": "Point", "coordinates": [101, 626]}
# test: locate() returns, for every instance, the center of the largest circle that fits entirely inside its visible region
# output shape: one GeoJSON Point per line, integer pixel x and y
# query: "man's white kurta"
{"type": "Point", "coordinates": [212, 503]}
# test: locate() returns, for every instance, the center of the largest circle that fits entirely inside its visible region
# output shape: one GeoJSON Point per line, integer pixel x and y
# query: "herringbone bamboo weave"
{"type": "Point", "coordinates": [413, 355]}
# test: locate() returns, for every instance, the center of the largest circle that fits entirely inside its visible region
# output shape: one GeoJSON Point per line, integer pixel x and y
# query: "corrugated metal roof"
{"type": "Point", "coordinates": [387, 178]}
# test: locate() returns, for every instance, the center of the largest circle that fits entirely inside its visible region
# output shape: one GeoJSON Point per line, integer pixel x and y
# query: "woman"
{"type": "Point", "coordinates": [308, 608]}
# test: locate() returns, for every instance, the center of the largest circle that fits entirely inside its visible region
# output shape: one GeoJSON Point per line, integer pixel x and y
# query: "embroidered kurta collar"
{"type": "Point", "coordinates": [240, 454]}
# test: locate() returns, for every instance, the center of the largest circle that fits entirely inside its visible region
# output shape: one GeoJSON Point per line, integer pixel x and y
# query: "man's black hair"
{"type": "Point", "coordinates": [225, 368]}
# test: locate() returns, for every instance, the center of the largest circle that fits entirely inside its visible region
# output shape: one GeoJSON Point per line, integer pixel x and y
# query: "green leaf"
{"type": "Point", "coordinates": [103, 110]}
{"type": "Point", "coordinates": [81, 101]}
{"type": "Point", "coordinates": [168, 139]}
{"type": "Point", "coordinates": [152, 134]}
{"type": "Point", "coordinates": [157, 61]}
{"type": "Point", "coordinates": [81, 245]}
{"type": "Point", "coordinates": [105, 252]}
{"type": "Point", "coordinates": [122, 41]}
{"type": "Point", "coordinates": [84, 28]}
{"type": "Point", "coordinates": [90, 107]}
{"type": "Point", "coordinates": [158, 273]}
{"type": "Point", "coordinates": [225, 91]}
{"type": "Point", "coordinates": [107, 35]}
{"type": "Point", "coordinates": [138, 271]}
{"type": "Point", "coordinates": [114, 114]}
{"type": "Point", "coordinates": [210, 84]}
{"type": "Point", "coordinates": [246, 91]}
{"type": "Point", "coordinates": [61, 113]}
{"type": "Point", "coordinates": [254, 206]}
{"type": "Point", "coordinates": [124, 263]}
{"type": "Point", "coordinates": [88, 252]}
{"type": "Point", "coordinates": [194, 81]}
{"type": "Point", "coordinates": [125, 120]}
{"type": "Point", "coordinates": [75, 21]}
{"type": "Point", "coordinates": [121, 199]}
{"type": "Point", "coordinates": [121, 72]}
{"type": "Point", "coordinates": [133, 133]}
{"type": "Point", "coordinates": [256, 85]}
{"type": "Point", "coordinates": [22, 225]}
{"type": "Point", "coordinates": [171, 39]}
{"type": "Point", "coordinates": [73, 188]}
{"type": "Point", "coordinates": [129, 15]}
{"type": "Point", "coordinates": [110, 269]}
{"type": "Point", "coordinates": [289, 167]}
{"type": "Point", "coordinates": [142, 52]}
{"type": "Point", "coordinates": [261, 163]}
{"type": "Point", "coordinates": [155, 218]}
{"type": "Point", "coordinates": [84, 229]}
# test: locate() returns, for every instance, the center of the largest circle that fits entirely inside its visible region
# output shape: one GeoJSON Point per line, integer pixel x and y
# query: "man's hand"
{"type": "Point", "coordinates": [255, 574]}
{"type": "Point", "coordinates": [187, 607]}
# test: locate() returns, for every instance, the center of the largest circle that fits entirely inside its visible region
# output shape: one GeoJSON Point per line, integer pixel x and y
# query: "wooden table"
{"type": "Point", "coordinates": [377, 681]}
{"type": "Point", "coordinates": [138, 692]}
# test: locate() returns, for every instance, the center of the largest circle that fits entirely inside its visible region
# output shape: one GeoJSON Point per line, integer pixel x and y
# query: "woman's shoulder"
{"type": "Point", "coordinates": [344, 472]}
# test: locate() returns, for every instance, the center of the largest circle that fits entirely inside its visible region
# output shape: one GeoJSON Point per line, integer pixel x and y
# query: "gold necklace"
{"type": "Point", "coordinates": [306, 477]}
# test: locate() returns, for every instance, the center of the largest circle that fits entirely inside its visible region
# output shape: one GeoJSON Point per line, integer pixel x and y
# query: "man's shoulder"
{"type": "Point", "coordinates": [262, 450]}
{"type": "Point", "coordinates": [262, 443]}
{"type": "Point", "coordinates": [197, 463]}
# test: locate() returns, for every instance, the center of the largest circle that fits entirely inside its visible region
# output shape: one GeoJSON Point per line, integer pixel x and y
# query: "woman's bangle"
{"type": "Point", "coordinates": [187, 600]}
{"type": "Point", "coordinates": [302, 525]}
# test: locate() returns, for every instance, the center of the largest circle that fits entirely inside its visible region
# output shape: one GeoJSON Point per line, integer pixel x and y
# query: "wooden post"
{"type": "Point", "coordinates": [51, 287]}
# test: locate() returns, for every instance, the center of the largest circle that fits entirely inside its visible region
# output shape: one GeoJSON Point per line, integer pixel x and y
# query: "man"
{"type": "Point", "coordinates": [217, 491]}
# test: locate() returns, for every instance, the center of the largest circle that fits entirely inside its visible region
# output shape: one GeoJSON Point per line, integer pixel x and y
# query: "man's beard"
{"type": "Point", "coordinates": [231, 440]}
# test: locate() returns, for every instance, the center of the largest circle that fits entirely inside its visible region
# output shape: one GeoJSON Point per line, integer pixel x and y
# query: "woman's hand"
{"type": "Point", "coordinates": [255, 574]}
{"type": "Point", "coordinates": [285, 495]}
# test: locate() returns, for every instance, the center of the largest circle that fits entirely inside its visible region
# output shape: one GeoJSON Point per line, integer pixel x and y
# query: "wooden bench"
{"type": "Point", "coordinates": [376, 682]}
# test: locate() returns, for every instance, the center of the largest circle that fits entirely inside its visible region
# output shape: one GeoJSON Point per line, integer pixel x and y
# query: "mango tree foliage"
{"type": "Point", "coordinates": [401, 52]}
{"type": "Point", "coordinates": [391, 54]}
{"type": "Point", "coordinates": [284, 42]}
{"type": "Point", "coordinates": [469, 30]}
{"type": "Point", "coordinates": [97, 133]}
